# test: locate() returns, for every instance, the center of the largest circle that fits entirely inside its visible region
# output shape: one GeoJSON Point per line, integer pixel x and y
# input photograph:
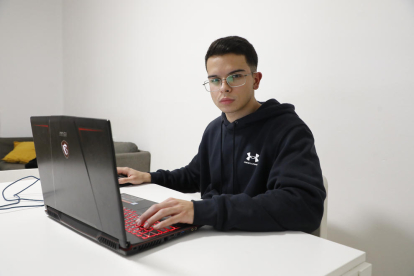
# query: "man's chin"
{"type": "Point", "coordinates": [227, 110]}
{"type": "Point", "coordinates": [227, 107]}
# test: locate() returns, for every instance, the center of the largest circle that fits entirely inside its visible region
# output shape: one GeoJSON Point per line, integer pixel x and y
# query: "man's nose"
{"type": "Point", "coordinates": [225, 87]}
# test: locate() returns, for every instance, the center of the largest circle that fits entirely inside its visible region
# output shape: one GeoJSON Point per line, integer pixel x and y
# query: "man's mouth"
{"type": "Point", "coordinates": [226, 100]}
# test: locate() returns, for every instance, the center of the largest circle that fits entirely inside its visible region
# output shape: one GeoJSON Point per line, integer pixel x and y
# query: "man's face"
{"type": "Point", "coordinates": [235, 102]}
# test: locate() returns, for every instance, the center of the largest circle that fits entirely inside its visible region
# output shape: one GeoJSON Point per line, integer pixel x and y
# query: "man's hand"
{"type": "Point", "coordinates": [178, 210]}
{"type": "Point", "coordinates": [133, 176]}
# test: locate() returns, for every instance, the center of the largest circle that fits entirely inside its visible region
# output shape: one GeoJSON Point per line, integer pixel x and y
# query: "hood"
{"type": "Point", "coordinates": [270, 108]}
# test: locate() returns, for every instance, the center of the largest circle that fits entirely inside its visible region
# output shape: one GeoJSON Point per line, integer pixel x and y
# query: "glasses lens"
{"type": "Point", "coordinates": [236, 80]}
{"type": "Point", "coordinates": [213, 84]}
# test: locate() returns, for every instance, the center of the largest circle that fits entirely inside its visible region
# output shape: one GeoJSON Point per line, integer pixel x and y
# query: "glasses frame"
{"type": "Point", "coordinates": [221, 81]}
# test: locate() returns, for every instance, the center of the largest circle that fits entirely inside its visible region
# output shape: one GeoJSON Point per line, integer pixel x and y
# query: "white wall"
{"type": "Point", "coordinates": [347, 66]}
{"type": "Point", "coordinates": [30, 63]}
{"type": "Point", "coordinates": [122, 62]}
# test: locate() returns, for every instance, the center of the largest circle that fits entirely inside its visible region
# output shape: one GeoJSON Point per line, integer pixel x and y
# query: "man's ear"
{"type": "Point", "coordinates": [257, 78]}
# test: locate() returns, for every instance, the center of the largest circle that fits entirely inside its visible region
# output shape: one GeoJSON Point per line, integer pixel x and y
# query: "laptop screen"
{"type": "Point", "coordinates": [77, 169]}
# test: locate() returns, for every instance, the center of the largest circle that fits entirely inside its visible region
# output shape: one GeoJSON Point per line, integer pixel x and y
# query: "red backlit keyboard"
{"type": "Point", "coordinates": [139, 231]}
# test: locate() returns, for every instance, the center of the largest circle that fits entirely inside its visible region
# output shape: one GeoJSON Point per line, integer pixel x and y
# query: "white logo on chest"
{"type": "Point", "coordinates": [249, 157]}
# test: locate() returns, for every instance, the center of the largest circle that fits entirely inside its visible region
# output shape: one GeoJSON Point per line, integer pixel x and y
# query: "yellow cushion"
{"type": "Point", "coordinates": [23, 152]}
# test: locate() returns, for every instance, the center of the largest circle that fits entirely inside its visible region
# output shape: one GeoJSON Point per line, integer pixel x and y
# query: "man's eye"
{"type": "Point", "coordinates": [214, 81]}
{"type": "Point", "coordinates": [236, 76]}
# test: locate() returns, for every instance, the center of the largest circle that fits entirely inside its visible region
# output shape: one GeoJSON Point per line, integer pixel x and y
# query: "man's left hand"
{"type": "Point", "coordinates": [180, 211]}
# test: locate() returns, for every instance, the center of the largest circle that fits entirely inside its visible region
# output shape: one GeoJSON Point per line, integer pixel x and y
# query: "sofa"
{"type": "Point", "coordinates": [127, 154]}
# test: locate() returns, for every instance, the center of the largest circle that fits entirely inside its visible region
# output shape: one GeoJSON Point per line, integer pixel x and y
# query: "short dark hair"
{"type": "Point", "coordinates": [234, 45]}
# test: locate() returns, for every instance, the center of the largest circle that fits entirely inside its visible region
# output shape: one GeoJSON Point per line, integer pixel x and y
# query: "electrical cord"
{"type": "Point", "coordinates": [18, 198]}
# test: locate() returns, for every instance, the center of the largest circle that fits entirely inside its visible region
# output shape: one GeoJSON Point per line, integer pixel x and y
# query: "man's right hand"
{"type": "Point", "coordinates": [133, 176]}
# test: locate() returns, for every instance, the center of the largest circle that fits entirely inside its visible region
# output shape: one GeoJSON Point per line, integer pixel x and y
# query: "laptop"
{"type": "Point", "coordinates": [77, 169]}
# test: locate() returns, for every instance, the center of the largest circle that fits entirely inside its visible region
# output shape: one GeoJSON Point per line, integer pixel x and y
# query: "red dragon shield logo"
{"type": "Point", "coordinates": [65, 149]}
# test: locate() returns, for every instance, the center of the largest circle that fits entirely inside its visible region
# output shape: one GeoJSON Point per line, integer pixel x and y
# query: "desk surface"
{"type": "Point", "coordinates": [33, 244]}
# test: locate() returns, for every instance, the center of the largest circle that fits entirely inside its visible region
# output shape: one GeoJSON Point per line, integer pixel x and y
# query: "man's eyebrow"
{"type": "Point", "coordinates": [232, 72]}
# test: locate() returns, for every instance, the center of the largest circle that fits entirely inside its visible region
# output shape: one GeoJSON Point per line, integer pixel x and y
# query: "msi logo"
{"type": "Point", "coordinates": [65, 149]}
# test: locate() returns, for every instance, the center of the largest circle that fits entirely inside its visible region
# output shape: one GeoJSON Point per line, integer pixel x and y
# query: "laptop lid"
{"type": "Point", "coordinates": [77, 168]}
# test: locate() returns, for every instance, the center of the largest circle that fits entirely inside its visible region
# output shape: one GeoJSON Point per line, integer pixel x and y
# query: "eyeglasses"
{"type": "Point", "coordinates": [234, 80]}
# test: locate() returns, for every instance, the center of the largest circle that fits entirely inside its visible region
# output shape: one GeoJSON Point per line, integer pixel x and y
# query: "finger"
{"type": "Point", "coordinates": [182, 212]}
{"type": "Point", "coordinates": [168, 222]}
{"type": "Point", "coordinates": [152, 210]}
{"type": "Point", "coordinates": [155, 216]}
{"type": "Point", "coordinates": [165, 212]}
{"type": "Point", "coordinates": [122, 170]}
{"type": "Point", "coordinates": [124, 180]}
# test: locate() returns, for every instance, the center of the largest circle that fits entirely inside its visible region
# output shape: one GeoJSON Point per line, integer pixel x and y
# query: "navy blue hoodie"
{"type": "Point", "coordinates": [259, 173]}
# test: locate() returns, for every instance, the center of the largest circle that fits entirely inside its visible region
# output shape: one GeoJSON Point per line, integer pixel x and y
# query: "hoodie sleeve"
{"type": "Point", "coordinates": [185, 180]}
{"type": "Point", "coordinates": [293, 199]}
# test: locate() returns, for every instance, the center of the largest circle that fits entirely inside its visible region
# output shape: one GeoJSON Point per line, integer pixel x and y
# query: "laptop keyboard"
{"type": "Point", "coordinates": [131, 226]}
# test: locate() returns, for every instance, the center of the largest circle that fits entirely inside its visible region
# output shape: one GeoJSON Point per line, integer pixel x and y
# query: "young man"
{"type": "Point", "coordinates": [256, 168]}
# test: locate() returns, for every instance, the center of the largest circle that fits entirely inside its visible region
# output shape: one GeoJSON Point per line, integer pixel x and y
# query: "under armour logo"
{"type": "Point", "coordinates": [249, 157]}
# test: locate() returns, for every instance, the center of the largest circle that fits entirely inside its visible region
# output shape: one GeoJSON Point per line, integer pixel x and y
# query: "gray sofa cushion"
{"type": "Point", "coordinates": [136, 160]}
{"type": "Point", "coordinates": [125, 147]}
{"type": "Point", "coordinates": [10, 166]}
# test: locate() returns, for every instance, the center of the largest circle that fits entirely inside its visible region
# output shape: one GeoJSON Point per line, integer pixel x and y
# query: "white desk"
{"type": "Point", "coordinates": [33, 244]}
